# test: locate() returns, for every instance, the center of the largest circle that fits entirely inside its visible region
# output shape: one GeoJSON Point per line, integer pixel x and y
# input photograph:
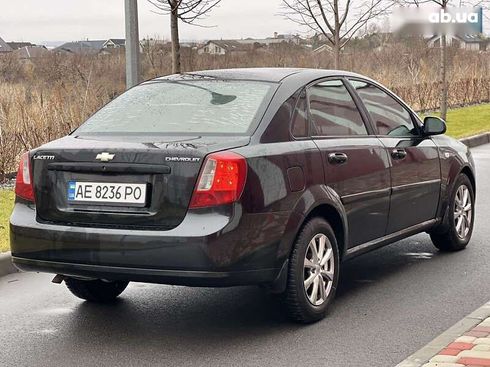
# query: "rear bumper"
{"type": "Point", "coordinates": [176, 277]}
{"type": "Point", "coordinates": [214, 248]}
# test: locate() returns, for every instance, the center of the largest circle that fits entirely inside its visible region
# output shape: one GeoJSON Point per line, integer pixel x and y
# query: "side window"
{"type": "Point", "coordinates": [333, 110]}
{"type": "Point", "coordinates": [299, 122]}
{"type": "Point", "coordinates": [388, 115]}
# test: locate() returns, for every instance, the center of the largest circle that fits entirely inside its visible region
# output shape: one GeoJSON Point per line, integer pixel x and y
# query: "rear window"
{"type": "Point", "coordinates": [183, 107]}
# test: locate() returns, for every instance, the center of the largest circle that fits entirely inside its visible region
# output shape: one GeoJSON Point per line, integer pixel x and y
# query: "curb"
{"type": "Point", "coordinates": [476, 140]}
{"type": "Point", "coordinates": [423, 355]}
{"type": "Point", "coordinates": [6, 266]}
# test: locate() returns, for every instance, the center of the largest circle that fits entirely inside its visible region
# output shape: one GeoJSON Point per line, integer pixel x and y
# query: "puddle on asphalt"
{"type": "Point", "coordinates": [419, 255]}
{"type": "Point", "coordinates": [44, 331]}
{"type": "Point", "coordinates": [56, 311]}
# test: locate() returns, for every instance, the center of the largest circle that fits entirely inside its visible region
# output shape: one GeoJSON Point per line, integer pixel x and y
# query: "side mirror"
{"type": "Point", "coordinates": [434, 126]}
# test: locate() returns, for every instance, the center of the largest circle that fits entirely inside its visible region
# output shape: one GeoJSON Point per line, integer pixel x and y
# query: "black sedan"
{"type": "Point", "coordinates": [245, 176]}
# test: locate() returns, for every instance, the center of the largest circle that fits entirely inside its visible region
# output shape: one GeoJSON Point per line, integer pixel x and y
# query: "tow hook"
{"type": "Point", "coordinates": [58, 279]}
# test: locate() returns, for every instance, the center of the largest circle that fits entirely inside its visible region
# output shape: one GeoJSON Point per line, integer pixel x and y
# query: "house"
{"type": "Point", "coordinates": [4, 47]}
{"type": "Point", "coordinates": [112, 43]}
{"type": "Point", "coordinates": [81, 47]}
{"type": "Point", "coordinates": [30, 52]}
{"type": "Point", "coordinates": [465, 42]}
{"type": "Point", "coordinates": [223, 47]}
{"type": "Point", "coordinates": [323, 48]}
{"type": "Point", "coordinates": [277, 39]}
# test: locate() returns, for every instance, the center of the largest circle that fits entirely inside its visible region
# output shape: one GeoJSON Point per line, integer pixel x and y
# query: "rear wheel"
{"type": "Point", "coordinates": [313, 272]}
{"type": "Point", "coordinates": [96, 290]}
{"type": "Point", "coordinates": [461, 218]}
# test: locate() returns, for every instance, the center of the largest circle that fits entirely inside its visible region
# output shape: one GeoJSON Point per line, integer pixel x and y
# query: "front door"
{"type": "Point", "coordinates": [415, 166]}
{"type": "Point", "coordinates": [356, 165]}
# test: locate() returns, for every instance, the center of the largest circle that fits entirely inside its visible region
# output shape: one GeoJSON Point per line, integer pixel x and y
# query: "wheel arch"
{"type": "Point", "coordinates": [471, 176]}
{"type": "Point", "coordinates": [334, 218]}
{"type": "Point", "coordinates": [318, 201]}
{"type": "Point", "coordinates": [468, 172]}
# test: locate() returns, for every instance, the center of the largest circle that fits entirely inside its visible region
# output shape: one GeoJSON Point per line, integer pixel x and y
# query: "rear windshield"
{"type": "Point", "coordinates": [183, 107]}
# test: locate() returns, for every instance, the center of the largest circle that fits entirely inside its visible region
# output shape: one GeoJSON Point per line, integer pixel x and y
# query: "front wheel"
{"type": "Point", "coordinates": [461, 215]}
{"type": "Point", "coordinates": [98, 291]}
{"type": "Point", "coordinates": [313, 272]}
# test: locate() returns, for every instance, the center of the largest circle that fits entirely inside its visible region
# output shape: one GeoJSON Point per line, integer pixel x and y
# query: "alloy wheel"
{"type": "Point", "coordinates": [319, 268]}
{"type": "Point", "coordinates": [463, 211]}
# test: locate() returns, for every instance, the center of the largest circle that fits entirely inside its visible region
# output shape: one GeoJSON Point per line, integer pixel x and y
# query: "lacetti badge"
{"type": "Point", "coordinates": [44, 157]}
{"type": "Point", "coordinates": [105, 157]}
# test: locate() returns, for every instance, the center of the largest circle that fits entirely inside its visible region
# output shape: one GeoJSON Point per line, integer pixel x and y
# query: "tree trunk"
{"type": "Point", "coordinates": [174, 30]}
{"type": "Point", "coordinates": [336, 36]}
{"type": "Point", "coordinates": [336, 53]}
{"type": "Point", "coordinates": [443, 78]}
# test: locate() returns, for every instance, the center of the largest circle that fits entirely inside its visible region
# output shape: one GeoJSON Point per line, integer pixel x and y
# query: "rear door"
{"type": "Point", "coordinates": [414, 159]}
{"type": "Point", "coordinates": [355, 163]}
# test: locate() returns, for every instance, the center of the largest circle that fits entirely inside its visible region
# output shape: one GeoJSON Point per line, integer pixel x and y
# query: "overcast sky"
{"type": "Point", "coordinates": [70, 20]}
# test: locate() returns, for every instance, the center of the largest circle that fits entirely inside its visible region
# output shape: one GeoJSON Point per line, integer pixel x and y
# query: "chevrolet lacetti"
{"type": "Point", "coordinates": [271, 177]}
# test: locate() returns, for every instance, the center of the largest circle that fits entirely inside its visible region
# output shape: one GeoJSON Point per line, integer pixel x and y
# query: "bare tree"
{"type": "Point", "coordinates": [337, 20]}
{"type": "Point", "coordinates": [187, 11]}
{"type": "Point", "coordinates": [443, 4]}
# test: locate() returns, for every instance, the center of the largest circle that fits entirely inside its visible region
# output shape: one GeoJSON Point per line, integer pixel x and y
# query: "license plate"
{"type": "Point", "coordinates": [104, 192]}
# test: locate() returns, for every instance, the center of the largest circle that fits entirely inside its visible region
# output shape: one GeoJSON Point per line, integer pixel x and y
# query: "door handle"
{"type": "Point", "coordinates": [398, 154]}
{"type": "Point", "coordinates": [337, 158]}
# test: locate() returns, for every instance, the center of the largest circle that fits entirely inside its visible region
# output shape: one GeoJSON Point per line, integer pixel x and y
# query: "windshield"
{"type": "Point", "coordinates": [183, 107]}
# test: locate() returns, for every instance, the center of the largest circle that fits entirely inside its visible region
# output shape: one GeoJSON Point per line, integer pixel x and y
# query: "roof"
{"type": "Point", "coordinates": [4, 47]}
{"type": "Point", "coordinates": [17, 45]}
{"type": "Point", "coordinates": [29, 52]}
{"type": "Point", "coordinates": [229, 45]}
{"type": "Point", "coordinates": [116, 41]}
{"type": "Point", "coordinates": [467, 38]}
{"type": "Point", "coordinates": [323, 48]}
{"type": "Point", "coordinates": [261, 74]}
{"type": "Point", "coordinates": [472, 38]}
{"type": "Point", "coordinates": [274, 75]}
{"type": "Point", "coordinates": [81, 47]}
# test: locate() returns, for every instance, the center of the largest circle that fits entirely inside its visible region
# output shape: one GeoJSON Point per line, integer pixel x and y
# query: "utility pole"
{"type": "Point", "coordinates": [132, 43]}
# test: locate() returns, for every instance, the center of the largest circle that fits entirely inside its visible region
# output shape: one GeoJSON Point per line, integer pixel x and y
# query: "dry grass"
{"type": "Point", "coordinates": [45, 99]}
{"type": "Point", "coordinates": [6, 205]}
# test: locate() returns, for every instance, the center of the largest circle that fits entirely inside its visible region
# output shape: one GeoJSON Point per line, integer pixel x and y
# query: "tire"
{"type": "Point", "coordinates": [96, 290]}
{"type": "Point", "coordinates": [454, 238]}
{"type": "Point", "coordinates": [300, 301]}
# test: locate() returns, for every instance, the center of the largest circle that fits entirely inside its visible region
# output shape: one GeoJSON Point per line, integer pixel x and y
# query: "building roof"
{"type": "Point", "coordinates": [116, 41]}
{"type": "Point", "coordinates": [467, 38]}
{"type": "Point", "coordinates": [4, 47]}
{"type": "Point", "coordinates": [472, 38]}
{"type": "Point", "coordinates": [228, 45]}
{"type": "Point", "coordinates": [30, 52]}
{"type": "Point", "coordinates": [323, 48]}
{"type": "Point", "coordinates": [17, 45]}
{"type": "Point", "coordinates": [82, 47]}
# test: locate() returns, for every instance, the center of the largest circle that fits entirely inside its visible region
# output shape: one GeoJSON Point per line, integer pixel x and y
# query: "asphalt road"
{"type": "Point", "coordinates": [391, 303]}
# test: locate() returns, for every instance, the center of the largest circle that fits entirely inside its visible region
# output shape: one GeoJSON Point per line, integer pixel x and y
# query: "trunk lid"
{"type": "Point", "coordinates": [169, 167]}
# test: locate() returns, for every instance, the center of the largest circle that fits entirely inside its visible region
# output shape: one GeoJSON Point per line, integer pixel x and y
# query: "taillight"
{"type": "Point", "coordinates": [221, 180]}
{"type": "Point", "coordinates": [23, 183]}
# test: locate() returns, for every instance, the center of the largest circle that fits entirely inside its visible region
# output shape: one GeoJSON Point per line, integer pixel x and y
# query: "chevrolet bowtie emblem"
{"type": "Point", "coordinates": [105, 157]}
